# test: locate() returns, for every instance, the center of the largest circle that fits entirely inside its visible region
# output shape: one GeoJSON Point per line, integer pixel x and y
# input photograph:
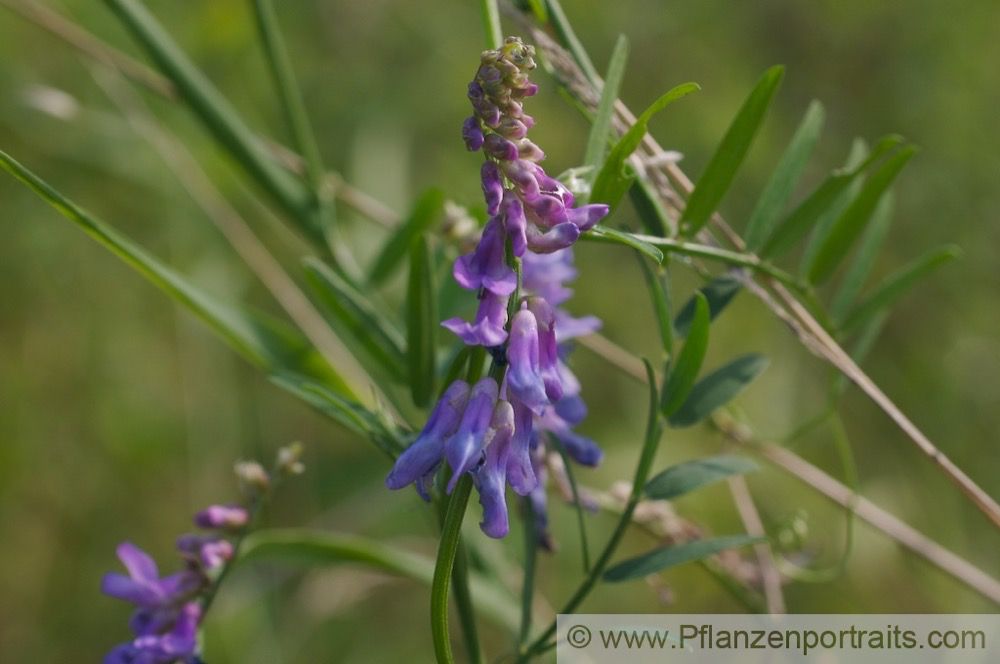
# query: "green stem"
{"type": "Point", "coordinates": [654, 427]}
{"type": "Point", "coordinates": [463, 602]}
{"type": "Point", "coordinates": [491, 23]}
{"type": "Point", "coordinates": [530, 558]}
{"type": "Point", "coordinates": [450, 537]}
{"type": "Point", "coordinates": [749, 261]}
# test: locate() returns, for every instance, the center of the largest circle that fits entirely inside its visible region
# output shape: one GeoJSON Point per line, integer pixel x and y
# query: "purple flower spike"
{"type": "Point", "coordinates": [490, 478]}
{"type": "Point", "coordinates": [472, 134]}
{"type": "Point", "coordinates": [524, 379]}
{"type": "Point", "coordinates": [485, 267]}
{"type": "Point", "coordinates": [210, 553]}
{"type": "Point", "coordinates": [558, 237]}
{"type": "Point", "coordinates": [225, 517]}
{"type": "Point", "coordinates": [464, 449]}
{"type": "Point", "coordinates": [492, 181]}
{"type": "Point", "coordinates": [515, 223]}
{"type": "Point", "coordinates": [548, 356]}
{"type": "Point", "coordinates": [587, 216]}
{"type": "Point", "coordinates": [426, 451]}
{"type": "Point", "coordinates": [178, 645]}
{"type": "Point", "coordinates": [488, 328]}
{"type": "Point", "coordinates": [520, 473]}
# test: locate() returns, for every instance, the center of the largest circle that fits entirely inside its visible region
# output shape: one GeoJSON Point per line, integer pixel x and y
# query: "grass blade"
{"type": "Point", "coordinates": [852, 221]}
{"type": "Point", "coordinates": [352, 310]}
{"type": "Point", "coordinates": [719, 293]}
{"type": "Point", "coordinates": [718, 176]}
{"type": "Point", "coordinates": [897, 284]}
{"type": "Point", "coordinates": [685, 367]}
{"type": "Point", "coordinates": [614, 180]}
{"type": "Point", "coordinates": [717, 389]}
{"type": "Point", "coordinates": [687, 477]}
{"type": "Point", "coordinates": [419, 220]}
{"type": "Point", "coordinates": [421, 322]}
{"type": "Point", "coordinates": [310, 548]}
{"type": "Point", "coordinates": [803, 217]}
{"type": "Point", "coordinates": [786, 175]}
{"type": "Point", "coordinates": [658, 560]}
{"type": "Point", "coordinates": [221, 119]}
{"type": "Point", "coordinates": [266, 342]}
{"type": "Point", "coordinates": [597, 141]}
{"type": "Point", "coordinates": [290, 95]}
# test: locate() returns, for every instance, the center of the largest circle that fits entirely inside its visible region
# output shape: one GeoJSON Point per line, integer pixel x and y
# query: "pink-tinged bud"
{"type": "Point", "coordinates": [225, 517]}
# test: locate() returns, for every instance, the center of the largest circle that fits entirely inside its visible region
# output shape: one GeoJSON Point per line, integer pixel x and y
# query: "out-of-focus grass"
{"type": "Point", "coordinates": [119, 415]}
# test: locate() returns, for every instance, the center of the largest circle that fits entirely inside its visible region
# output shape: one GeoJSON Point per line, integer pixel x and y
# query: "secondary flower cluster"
{"type": "Point", "coordinates": [491, 429]}
{"type": "Point", "coordinates": [168, 609]}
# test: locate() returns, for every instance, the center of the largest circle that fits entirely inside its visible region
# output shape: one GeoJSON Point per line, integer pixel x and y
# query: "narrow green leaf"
{"type": "Point", "coordinates": [266, 342]}
{"type": "Point", "coordinates": [418, 221]}
{"type": "Point", "coordinates": [492, 32]}
{"type": "Point", "coordinates": [852, 221]}
{"type": "Point", "coordinates": [349, 413]}
{"type": "Point", "coordinates": [717, 389]}
{"type": "Point", "coordinates": [607, 235]}
{"type": "Point", "coordinates": [897, 284]}
{"type": "Point", "coordinates": [685, 367]}
{"type": "Point", "coordinates": [719, 293]}
{"type": "Point", "coordinates": [353, 311]}
{"type": "Point", "coordinates": [614, 180]}
{"type": "Point", "coordinates": [659, 291]}
{"type": "Point", "coordinates": [597, 142]}
{"type": "Point", "coordinates": [786, 175]}
{"type": "Point", "coordinates": [793, 227]}
{"type": "Point", "coordinates": [857, 274]}
{"type": "Point", "coordinates": [309, 548]}
{"type": "Point", "coordinates": [564, 30]}
{"type": "Point", "coordinates": [718, 176]}
{"type": "Point", "coordinates": [540, 11]}
{"type": "Point", "coordinates": [421, 321]}
{"type": "Point", "coordinates": [689, 476]}
{"type": "Point", "coordinates": [221, 119]}
{"type": "Point", "coordinates": [658, 560]}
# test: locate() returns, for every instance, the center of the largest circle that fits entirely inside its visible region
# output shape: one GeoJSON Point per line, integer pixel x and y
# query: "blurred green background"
{"type": "Point", "coordinates": [121, 415]}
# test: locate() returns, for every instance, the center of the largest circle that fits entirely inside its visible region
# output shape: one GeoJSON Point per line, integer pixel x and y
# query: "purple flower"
{"type": "Point", "coordinates": [465, 448]}
{"type": "Point", "coordinates": [472, 134]}
{"type": "Point", "coordinates": [485, 267]}
{"type": "Point", "coordinates": [524, 380]}
{"type": "Point", "coordinates": [514, 222]}
{"type": "Point", "coordinates": [488, 327]}
{"type": "Point", "coordinates": [520, 472]}
{"type": "Point", "coordinates": [143, 586]}
{"type": "Point", "coordinates": [548, 357]}
{"type": "Point", "coordinates": [490, 477]}
{"type": "Point", "coordinates": [177, 645]}
{"type": "Point", "coordinates": [422, 458]}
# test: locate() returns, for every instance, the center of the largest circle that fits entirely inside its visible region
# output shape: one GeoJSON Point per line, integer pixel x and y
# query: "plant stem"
{"type": "Point", "coordinates": [654, 427]}
{"type": "Point", "coordinates": [530, 558]}
{"type": "Point", "coordinates": [463, 602]}
{"type": "Point", "coordinates": [450, 538]}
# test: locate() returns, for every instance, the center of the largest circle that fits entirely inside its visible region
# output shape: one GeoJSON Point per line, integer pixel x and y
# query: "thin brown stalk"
{"type": "Point", "coordinates": [769, 576]}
